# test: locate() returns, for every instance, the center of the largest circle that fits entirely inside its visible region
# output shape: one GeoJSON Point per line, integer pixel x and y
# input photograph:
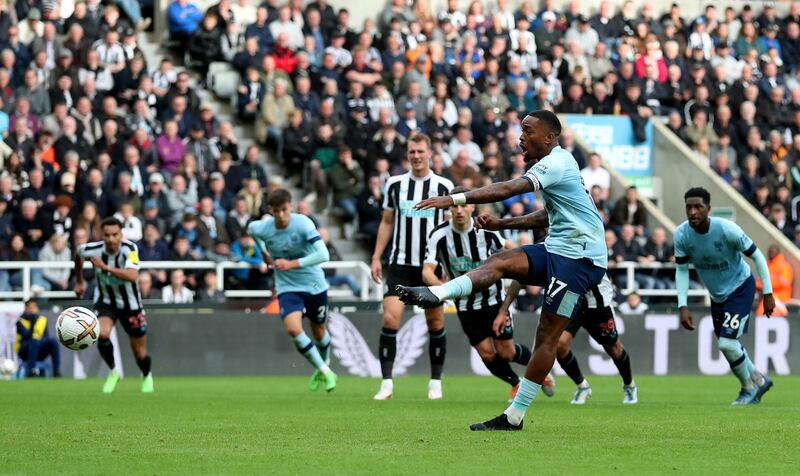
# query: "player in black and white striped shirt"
{"type": "Point", "coordinates": [116, 297]}
{"type": "Point", "coordinates": [407, 230]}
{"type": "Point", "coordinates": [459, 247]}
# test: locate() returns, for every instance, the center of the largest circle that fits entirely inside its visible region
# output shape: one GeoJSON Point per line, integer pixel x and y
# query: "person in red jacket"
{"type": "Point", "coordinates": [285, 57]}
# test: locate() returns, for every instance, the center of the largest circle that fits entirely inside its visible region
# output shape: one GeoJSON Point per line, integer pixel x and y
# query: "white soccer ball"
{"type": "Point", "coordinates": [7, 369]}
{"type": "Point", "coordinates": [77, 328]}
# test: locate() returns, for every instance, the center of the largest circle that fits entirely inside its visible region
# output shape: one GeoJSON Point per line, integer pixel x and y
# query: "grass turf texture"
{"type": "Point", "coordinates": [682, 425]}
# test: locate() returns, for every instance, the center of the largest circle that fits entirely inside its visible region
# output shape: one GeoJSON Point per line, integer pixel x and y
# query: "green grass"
{"type": "Point", "coordinates": [682, 425]}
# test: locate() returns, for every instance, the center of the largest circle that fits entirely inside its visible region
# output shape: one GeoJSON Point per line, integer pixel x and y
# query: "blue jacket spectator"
{"type": "Point", "coordinates": [184, 17]}
{"type": "Point", "coordinates": [244, 250]}
{"type": "Point", "coordinates": [33, 344]}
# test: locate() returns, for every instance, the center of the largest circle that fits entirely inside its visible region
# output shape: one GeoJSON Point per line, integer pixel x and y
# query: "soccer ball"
{"type": "Point", "coordinates": [77, 328]}
{"type": "Point", "coordinates": [7, 368]}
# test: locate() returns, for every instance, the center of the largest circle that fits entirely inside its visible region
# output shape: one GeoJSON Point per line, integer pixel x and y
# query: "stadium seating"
{"type": "Point", "coordinates": [85, 133]}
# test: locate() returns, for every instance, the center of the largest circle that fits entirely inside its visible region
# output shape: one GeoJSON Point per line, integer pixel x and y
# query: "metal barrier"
{"type": "Point", "coordinates": [631, 267]}
{"type": "Point", "coordinates": [369, 289]}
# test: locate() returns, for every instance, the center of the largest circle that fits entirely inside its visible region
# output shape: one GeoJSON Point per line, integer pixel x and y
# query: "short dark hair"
{"type": "Point", "coordinates": [31, 301]}
{"type": "Point", "coordinates": [548, 118]}
{"type": "Point", "coordinates": [110, 221]}
{"type": "Point", "coordinates": [698, 192]}
{"type": "Point", "coordinates": [279, 197]}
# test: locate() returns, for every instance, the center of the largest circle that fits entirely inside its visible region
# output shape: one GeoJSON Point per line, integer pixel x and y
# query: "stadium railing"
{"type": "Point", "coordinates": [631, 268]}
{"type": "Point", "coordinates": [369, 289]}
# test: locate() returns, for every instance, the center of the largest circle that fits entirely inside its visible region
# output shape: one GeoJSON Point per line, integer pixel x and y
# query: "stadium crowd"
{"type": "Point", "coordinates": [91, 130]}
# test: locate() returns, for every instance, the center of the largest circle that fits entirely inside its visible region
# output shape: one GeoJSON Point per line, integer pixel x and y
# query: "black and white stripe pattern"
{"type": "Point", "coordinates": [114, 292]}
{"type": "Point", "coordinates": [412, 227]}
{"type": "Point", "coordinates": [602, 295]}
{"type": "Point", "coordinates": [459, 253]}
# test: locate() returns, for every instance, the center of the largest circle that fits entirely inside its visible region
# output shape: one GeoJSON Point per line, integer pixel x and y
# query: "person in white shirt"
{"type": "Point", "coordinates": [131, 224]}
{"type": "Point", "coordinates": [463, 141]}
{"type": "Point", "coordinates": [633, 304]}
{"type": "Point", "coordinates": [176, 292]}
{"type": "Point", "coordinates": [594, 174]}
{"type": "Point", "coordinates": [284, 23]}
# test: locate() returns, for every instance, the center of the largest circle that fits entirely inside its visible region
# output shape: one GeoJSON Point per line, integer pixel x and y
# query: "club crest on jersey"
{"type": "Point", "coordinates": [718, 245]}
{"type": "Point", "coordinates": [407, 210]}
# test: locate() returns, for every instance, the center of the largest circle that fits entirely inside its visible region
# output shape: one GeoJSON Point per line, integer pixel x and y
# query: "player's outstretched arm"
{"type": "Point", "coordinates": [490, 194]}
{"type": "Point", "coordinates": [502, 314]}
{"type": "Point", "coordinates": [766, 282]}
{"type": "Point", "coordinates": [318, 256]}
{"type": "Point", "coordinates": [531, 221]}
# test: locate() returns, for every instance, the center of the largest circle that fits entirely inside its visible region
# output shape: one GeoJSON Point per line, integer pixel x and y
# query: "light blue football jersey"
{"type": "Point", "coordinates": [716, 255]}
{"type": "Point", "coordinates": [293, 242]}
{"type": "Point", "coordinates": [576, 230]}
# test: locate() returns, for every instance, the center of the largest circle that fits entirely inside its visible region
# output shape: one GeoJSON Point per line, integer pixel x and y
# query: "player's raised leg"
{"type": "Point", "coordinates": [106, 349]}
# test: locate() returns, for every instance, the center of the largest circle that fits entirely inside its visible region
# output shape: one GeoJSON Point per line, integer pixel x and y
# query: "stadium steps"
{"type": "Point", "coordinates": [349, 249]}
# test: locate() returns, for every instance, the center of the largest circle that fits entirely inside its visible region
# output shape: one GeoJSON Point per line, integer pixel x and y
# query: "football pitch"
{"type": "Point", "coordinates": [274, 425]}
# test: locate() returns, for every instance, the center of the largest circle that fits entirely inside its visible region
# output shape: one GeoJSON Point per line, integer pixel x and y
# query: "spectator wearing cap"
{"type": "Point", "coordinates": [408, 122]}
{"type": "Point", "coordinates": [200, 147]}
{"type": "Point", "coordinates": [31, 27]}
{"type": "Point", "coordinates": [582, 32]}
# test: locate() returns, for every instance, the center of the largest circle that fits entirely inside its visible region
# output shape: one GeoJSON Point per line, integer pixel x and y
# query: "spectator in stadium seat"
{"type": "Point", "coordinates": [71, 141]}
{"type": "Point", "coordinates": [248, 57]}
{"type": "Point", "coordinates": [208, 291]}
{"type": "Point", "coordinates": [284, 24]}
{"type": "Point", "coordinates": [180, 199]}
{"type": "Point", "coordinates": [700, 128]}
{"type": "Point", "coordinates": [96, 190]}
{"type": "Point", "coordinates": [153, 248]}
{"type": "Point", "coordinates": [276, 109]}
{"type": "Point", "coordinates": [284, 56]}
{"type": "Point", "coordinates": [55, 249]}
{"type": "Point", "coordinates": [245, 250]}
{"type": "Point", "coordinates": [779, 218]}
{"type": "Point", "coordinates": [633, 304]}
{"type": "Point", "coordinates": [205, 43]}
{"type": "Point", "coordinates": [37, 189]}
{"type": "Point", "coordinates": [176, 292]}
{"type": "Point", "coordinates": [298, 143]}
{"type": "Point", "coordinates": [238, 218]}
{"type": "Point", "coordinates": [123, 193]}
{"type": "Point", "coordinates": [209, 226]}
{"type": "Point", "coordinates": [255, 198]}
{"type": "Point", "coordinates": [629, 210]}
{"type": "Point", "coordinates": [790, 46]}
{"type": "Point", "coordinates": [131, 225]}
{"type": "Point", "coordinates": [35, 93]}
{"type": "Point", "coordinates": [463, 141]}
{"type": "Point", "coordinates": [225, 141]}
{"type": "Point", "coordinates": [170, 148]}
{"type": "Point", "coordinates": [146, 288]}
{"type": "Point", "coordinates": [305, 98]}
{"type": "Point", "coordinates": [370, 208]}
{"type": "Point", "coordinates": [754, 146]}
{"type": "Point", "coordinates": [346, 180]}
{"type": "Point", "coordinates": [594, 174]}
{"type": "Point", "coordinates": [33, 226]}
{"type": "Point", "coordinates": [462, 169]}
{"type": "Point", "coordinates": [183, 18]}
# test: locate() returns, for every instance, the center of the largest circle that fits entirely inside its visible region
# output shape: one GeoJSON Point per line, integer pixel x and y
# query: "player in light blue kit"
{"type": "Point", "coordinates": [571, 261]}
{"type": "Point", "coordinates": [294, 246]}
{"type": "Point", "coordinates": [715, 247]}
